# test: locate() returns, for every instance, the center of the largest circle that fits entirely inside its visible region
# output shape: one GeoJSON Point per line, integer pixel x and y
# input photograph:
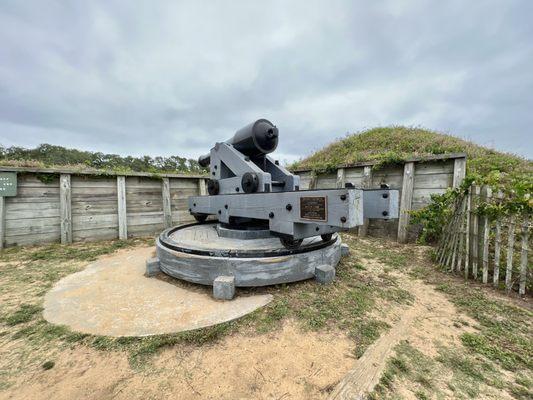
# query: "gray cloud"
{"type": "Point", "coordinates": [172, 77]}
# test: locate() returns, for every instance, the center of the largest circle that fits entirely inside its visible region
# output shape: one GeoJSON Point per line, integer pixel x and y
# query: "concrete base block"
{"type": "Point", "coordinates": [345, 250]}
{"type": "Point", "coordinates": [152, 267]}
{"type": "Point", "coordinates": [224, 287]}
{"type": "Point", "coordinates": [324, 274]}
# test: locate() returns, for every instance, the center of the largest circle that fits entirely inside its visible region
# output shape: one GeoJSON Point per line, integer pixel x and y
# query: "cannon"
{"type": "Point", "coordinates": [256, 226]}
{"type": "Point", "coordinates": [248, 189]}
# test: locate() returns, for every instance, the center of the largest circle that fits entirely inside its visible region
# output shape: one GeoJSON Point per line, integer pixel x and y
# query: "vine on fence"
{"type": "Point", "coordinates": [515, 199]}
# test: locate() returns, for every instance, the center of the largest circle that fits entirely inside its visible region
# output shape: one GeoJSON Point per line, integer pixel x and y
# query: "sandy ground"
{"type": "Point", "coordinates": [288, 364]}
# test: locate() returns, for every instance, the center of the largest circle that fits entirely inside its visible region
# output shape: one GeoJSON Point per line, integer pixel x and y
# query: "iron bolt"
{"type": "Point", "coordinates": [385, 195]}
{"type": "Point", "coordinates": [343, 219]}
{"type": "Point", "coordinates": [343, 197]}
{"type": "Point", "coordinates": [271, 215]}
{"type": "Point", "coordinates": [288, 207]}
{"type": "Point", "coordinates": [385, 213]}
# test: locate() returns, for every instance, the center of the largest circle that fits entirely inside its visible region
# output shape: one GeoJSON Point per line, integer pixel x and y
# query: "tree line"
{"type": "Point", "coordinates": [51, 155]}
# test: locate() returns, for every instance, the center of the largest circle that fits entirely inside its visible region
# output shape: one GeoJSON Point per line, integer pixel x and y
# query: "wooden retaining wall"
{"type": "Point", "coordinates": [417, 179]}
{"type": "Point", "coordinates": [65, 206]}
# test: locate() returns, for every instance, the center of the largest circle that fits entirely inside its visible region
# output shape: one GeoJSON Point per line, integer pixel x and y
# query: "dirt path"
{"type": "Point", "coordinates": [431, 316]}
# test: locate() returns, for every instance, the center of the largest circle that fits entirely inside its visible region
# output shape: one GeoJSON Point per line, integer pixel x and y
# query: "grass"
{"type": "Point", "coordinates": [26, 274]}
{"type": "Point", "coordinates": [367, 286]}
{"type": "Point", "coordinates": [395, 144]}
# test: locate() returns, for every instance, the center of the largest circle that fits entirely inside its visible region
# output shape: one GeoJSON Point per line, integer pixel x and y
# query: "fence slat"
{"type": "Point", "coordinates": [497, 246]}
{"type": "Point", "coordinates": [486, 233]}
{"type": "Point", "coordinates": [510, 251]}
{"type": "Point", "coordinates": [341, 178]}
{"type": "Point", "coordinates": [122, 216]}
{"type": "Point", "coordinates": [523, 256]}
{"type": "Point", "coordinates": [65, 207]}
{"type": "Point", "coordinates": [2, 221]}
{"type": "Point", "coordinates": [406, 200]}
{"type": "Point", "coordinates": [461, 236]}
{"type": "Point", "coordinates": [366, 183]}
{"type": "Point", "coordinates": [475, 234]}
{"type": "Point", "coordinates": [167, 207]}
{"type": "Point", "coordinates": [467, 230]}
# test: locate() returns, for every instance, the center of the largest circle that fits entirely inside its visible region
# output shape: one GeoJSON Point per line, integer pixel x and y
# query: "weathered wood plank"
{"type": "Point", "coordinates": [167, 209]}
{"type": "Point", "coordinates": [341, 178]}
{"type": "Point", "coordinates": [433, 181]}
{"type": "Point", "coordinates": [497, 246]}
{"type": "Point", "coordinates": [2, 222]}
{"type": "Point", "coordinates": [405, 202]}
{"type": "Point", "coordinates": [65, 208]}
{"type": "Point", "coordinates": [510, 251]}
{"type": "Point", "coordinates": [467, 231]}
{"type": "Point", "coordinates": [523, 256]}
{"type": "Point", "coordinates": [122, 215]}
{"type": "Point", "coordinates": [202, 187]}
{"type": "Point", "coordinates": [459, 171]}
{"type": "Point", "coordinates": [435, 167]}
{"type": "Point", "coordinates": [486, 232]}
{"type": "Point", "coordinates": [475, 232]}
{"type": "Point", "coordinates": [462, 230]}
{"type": "Point", "coordinates": [366, 183]}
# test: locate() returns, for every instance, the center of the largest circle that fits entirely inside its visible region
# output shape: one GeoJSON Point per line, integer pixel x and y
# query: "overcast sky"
{"type": "Point", "coordinates": [172, 77]}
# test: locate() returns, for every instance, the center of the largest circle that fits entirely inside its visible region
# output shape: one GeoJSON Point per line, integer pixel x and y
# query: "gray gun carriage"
{"type": "Point", "coordinates": [256, 201]}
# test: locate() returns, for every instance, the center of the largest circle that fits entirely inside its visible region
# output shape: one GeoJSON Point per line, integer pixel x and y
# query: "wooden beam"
{"type": "Point", "coordinates": [341, 178]}
{"type": "Point", "coordinates": [98, 172]}
{"type": "Point", "coordinates": [459, 171]}
{"type": "Point", "coordinates": [487, 194]}
{"type": "Point", "coordinates": [366, 184]}
{"type": "Point", "coordinates": [201, 187]}
{"type": "Point", "coordinates": [433, 157]}
{"type": "Point", "coordinates": [2, 221]}
{"type": "Point", "coordinates": [65, 208]}
{"type": "Point", "coordinates": [475, 231]}
{"type": "Point", "coordinates": [167, 207]}
{"type": "Point", "coordinates": [467, 230]}
{"type": "Point", "coordinates": [122, 215]}
{"type": "Point", "coordinates": [497, 247]}
{"type": "Point", "coordinates": [510, 251]}
{"type": "Point", "coordinates": [523, 256]}
{"type": "Point", "coordinates": [406, 200]}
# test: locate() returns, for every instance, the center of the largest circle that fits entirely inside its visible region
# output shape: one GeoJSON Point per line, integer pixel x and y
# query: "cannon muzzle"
{"type": "Point", "coordinates": [255, 139]}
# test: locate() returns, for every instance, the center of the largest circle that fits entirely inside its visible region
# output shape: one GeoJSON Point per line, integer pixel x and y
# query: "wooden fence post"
{"type": "Point", "coordinates": [2, 221]}
{"type": "Point", "coordinates": [475, 233]}
{"type": "Point", "coordinates": [487, 191]}
{"type": "Point", "coordinates": [122, 215]}
{"type": "Point", "coordinates": [167, 206]}
{"type": "Point", "coordinates": [341, 178]}
{"type": "Point", "coordinates": [459, 171]}
{"type": "Point", "coordinates": [313, 182]}
{"type": "Point", "coordinates": [467, 230]}
{"type": "Point", "coordinates": [366, 184]}
{"type": "Point", "coordinates": [510, 251]}
{"type": "Point", "coordinates": [406, 200]}
{"type": "Point", "coordinates": [201, 187]}
{"type": "Point", "coordinates": [523, 256]}
{"type": "Point", "coordinates": [461, 236]}
{"type": "Point", "coordinates": [497, 247]}
{"type": "Point", "coordinates": [65, 208]}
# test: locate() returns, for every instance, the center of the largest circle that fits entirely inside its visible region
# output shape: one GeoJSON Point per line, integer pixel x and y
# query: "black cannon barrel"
{"type": "Point", "coordinates": [258, 138]}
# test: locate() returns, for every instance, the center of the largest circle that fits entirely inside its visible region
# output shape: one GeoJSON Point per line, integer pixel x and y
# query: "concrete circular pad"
{"type": "Point", "coordinates": [112, 297]}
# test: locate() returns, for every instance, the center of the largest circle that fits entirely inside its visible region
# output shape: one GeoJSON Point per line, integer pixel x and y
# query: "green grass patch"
{"type": "Point", "coordinates": [25, 313]}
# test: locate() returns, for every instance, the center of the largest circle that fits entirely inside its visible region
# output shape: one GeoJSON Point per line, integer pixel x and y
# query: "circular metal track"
{"type": "Point", "coordinates": [166, 241]}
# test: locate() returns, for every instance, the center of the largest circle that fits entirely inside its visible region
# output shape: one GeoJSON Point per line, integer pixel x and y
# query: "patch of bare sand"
{"type": "Point", "coordinates": [285, 364]}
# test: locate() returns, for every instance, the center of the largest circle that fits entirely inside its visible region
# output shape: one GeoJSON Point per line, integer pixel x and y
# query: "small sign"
{"type": "Point", "coordinates": [313, 208]}
{"type": "Point", "coordinates": [8, 184]}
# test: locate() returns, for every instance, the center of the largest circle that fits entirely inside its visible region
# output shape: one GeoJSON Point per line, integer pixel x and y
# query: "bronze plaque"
{"type": "Point", "coordinates": [314, 208]}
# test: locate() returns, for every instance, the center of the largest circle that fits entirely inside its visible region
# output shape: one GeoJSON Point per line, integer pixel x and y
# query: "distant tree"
{"type": "Point", "coordinates": [58, 155]}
